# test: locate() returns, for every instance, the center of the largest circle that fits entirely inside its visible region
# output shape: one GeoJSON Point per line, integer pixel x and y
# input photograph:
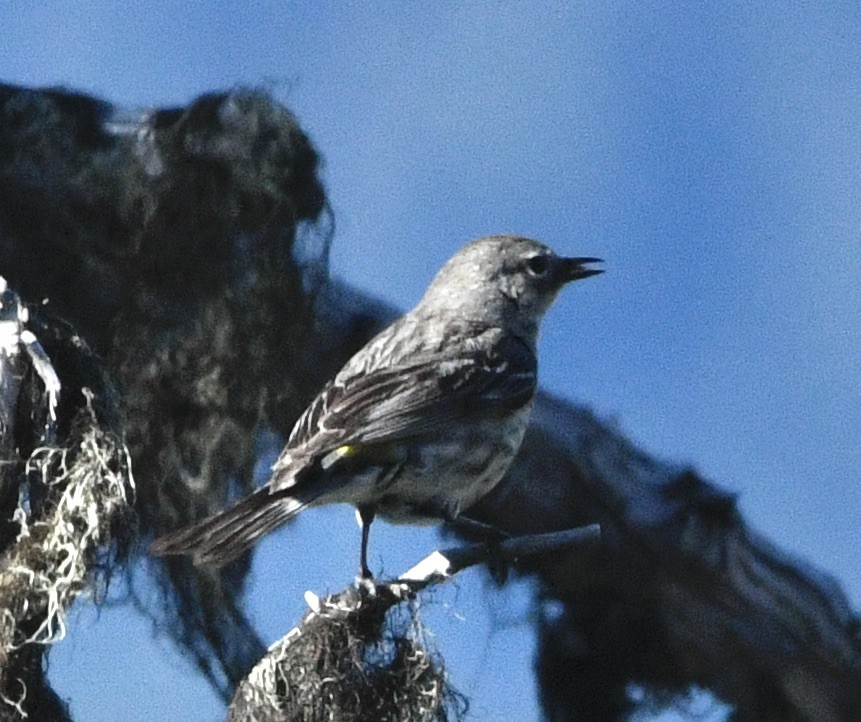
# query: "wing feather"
{"type": "Point", "coordinates": [397, 402]}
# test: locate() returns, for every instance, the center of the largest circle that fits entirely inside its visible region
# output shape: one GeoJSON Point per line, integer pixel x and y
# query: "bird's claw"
{"type": "Point", "coordinates": [365, 583]}
{"type": "Point", "coordinates": [497, 564]}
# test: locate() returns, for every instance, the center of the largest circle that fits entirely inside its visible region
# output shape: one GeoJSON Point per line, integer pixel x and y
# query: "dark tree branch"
{"type": "Point", "coordinates": [681, 592]}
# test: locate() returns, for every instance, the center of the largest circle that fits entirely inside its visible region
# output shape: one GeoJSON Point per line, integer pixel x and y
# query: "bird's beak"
{"type": "Point", "coordinates": [573, 269]}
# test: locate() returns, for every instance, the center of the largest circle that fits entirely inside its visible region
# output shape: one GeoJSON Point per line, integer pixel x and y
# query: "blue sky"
{"type": "Point", "coordinates": [709, 152]}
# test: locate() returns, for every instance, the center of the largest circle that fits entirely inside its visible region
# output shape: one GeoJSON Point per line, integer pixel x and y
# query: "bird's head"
{"type": "Point", "coordinates": [507, 280]}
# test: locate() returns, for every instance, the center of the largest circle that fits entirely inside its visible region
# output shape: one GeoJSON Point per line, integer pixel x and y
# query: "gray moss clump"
{"type": "Point", "coordinates": [354, 657]}
{"type": "Point", "coordinates": [65, 550]}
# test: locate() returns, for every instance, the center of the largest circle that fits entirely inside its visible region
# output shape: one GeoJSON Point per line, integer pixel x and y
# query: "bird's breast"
{"type": "Point", "coordinates": [450, 471]}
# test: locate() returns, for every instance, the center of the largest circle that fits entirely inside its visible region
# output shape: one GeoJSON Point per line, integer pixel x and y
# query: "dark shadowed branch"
{"type": "Point", "coordinates": [681, 592]}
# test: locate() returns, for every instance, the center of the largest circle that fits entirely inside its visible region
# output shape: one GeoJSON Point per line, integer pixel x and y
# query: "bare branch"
{"type": "Point", "coordinates": [444, 564]}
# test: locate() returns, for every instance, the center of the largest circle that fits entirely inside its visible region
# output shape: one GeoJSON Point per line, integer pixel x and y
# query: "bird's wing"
{"type": "Point", "coordinates": [398, 402]}
{"type": "Point", "coordinates": [401, 403]}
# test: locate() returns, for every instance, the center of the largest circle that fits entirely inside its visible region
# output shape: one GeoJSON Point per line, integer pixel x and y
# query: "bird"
{"type": "Point", "coordinates": [425, 419]}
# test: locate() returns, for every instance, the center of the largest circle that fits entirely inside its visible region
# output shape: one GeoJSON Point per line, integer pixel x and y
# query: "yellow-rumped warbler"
{"type": "Point", "coordinates": [425, 419]}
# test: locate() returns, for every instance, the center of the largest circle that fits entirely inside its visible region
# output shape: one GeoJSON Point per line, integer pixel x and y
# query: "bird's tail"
{"type": "Point", "coordinates": [224, 536]}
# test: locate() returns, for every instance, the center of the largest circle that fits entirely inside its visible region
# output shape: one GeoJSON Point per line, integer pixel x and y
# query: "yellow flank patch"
{"type": "Point", "coordinates": [372, 453]}
{"type": "Point", "coordinates": [342, 452]}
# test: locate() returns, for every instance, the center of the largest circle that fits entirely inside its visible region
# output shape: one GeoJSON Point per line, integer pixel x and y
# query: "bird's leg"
{"type": "Point", "coordinates": [492, 536]}
{"type": "Point", "coordinates": [449, 511]}
{"type": "Point", "coordinates": [472, 527]}
{"type": "Point", "coordinates": [366, 517]}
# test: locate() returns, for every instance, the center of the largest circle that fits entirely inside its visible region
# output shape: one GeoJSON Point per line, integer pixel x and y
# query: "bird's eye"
{"type": "Point", "coordinates": [538, 265]}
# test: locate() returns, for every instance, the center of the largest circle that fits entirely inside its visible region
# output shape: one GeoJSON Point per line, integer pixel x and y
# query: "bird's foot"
{"type": "Point", "coordinates": [497, 564]}
{"type": "Point", "coordinates": [365, 583]}
{"type": "Point", "coordinates": [492, 536]}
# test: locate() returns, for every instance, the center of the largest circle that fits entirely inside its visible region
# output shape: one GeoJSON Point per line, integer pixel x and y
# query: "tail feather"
{"type": "Point", "coordinates": [224, 536]}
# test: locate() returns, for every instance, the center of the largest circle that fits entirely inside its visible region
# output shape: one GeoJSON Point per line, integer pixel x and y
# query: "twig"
{"type": "Point", "coordinates": [444, 564]}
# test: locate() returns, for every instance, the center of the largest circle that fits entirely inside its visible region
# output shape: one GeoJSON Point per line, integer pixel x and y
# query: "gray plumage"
{"type": "Point", "coordinates": [426, 418]}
